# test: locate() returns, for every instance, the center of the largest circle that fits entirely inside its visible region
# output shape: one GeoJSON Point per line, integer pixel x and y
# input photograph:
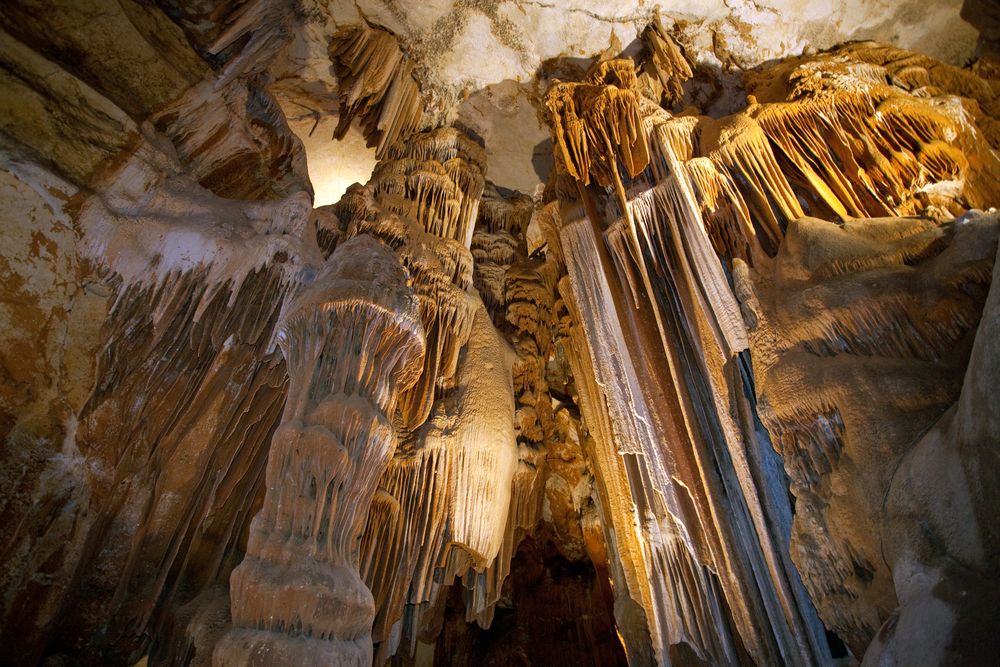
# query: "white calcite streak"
{"type": "Point", "coordinates": [150, 227]}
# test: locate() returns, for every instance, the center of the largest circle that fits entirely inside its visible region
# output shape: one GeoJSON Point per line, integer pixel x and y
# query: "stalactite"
{"type": "Point", "coordinates": [463, 162]}
{"type": "Point", "coordinates": [452, 482]}
{"type": "Point", "coordinates": [419, 201]}
{"type": "Point", "coordinates": [650, 481]}
{"type": "Point", "coordinates": [186, 378]}
{"type": "Point", "coordinates": [739, 145]}
{"type": "Point", "coordinates": [483, 455]}
{"type": "Point", "coordinates": [630, 576]}
{"type": "Point", "coordinates": [668, 62]}
{"type": "Point", "coordinates": [674, 234]}
{"type": "Point", "coordinates": [376, 86]}
{"type": "Point", "coordinates": [734, 203]}
{"type": "Point", "coordinates": [496, 245]}
{"type": "Point", "coordinates": [257, 157]}
{"type": "Point", "coordinates": [863, 65]}
{"type": "Point", "coordinates": [443, 500]}
{"type": "Point", "coordinates": [138, 237]}
{"type": "Point", "coordinates": [866, 142]}
{"type": "Point", "coordinates": [666, 217]}
{"type": "Point", "coordinates": [406, 530]}
{"type": "Point", "coordinates": [597, 124]}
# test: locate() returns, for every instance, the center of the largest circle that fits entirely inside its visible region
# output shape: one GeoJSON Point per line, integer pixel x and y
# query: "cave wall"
{"type": "Point", "coordinates": [681, 215]}
{"type": "Point", "coordinates": [717, 392]}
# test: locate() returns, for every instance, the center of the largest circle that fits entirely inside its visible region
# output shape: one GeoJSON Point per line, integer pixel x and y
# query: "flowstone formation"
{"type": "Point", "coordinates": [714, 388]}
{"type": "Point", "coordinates": [880, 370]}
{"type": "Point", "coordinates": [443, 498]}
{"type": "Point", "coordinates": [828, 136]}
{"type": "Point", "coordinates": [351, 341]}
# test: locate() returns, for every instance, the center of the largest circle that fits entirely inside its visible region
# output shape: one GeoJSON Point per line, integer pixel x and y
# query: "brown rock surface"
{"type": "Point", "coordinates": [939, 530]}
{"type": "Point", "coordinates": [860, 335]}
{"type": "Point", "coordinates": [718, 393]}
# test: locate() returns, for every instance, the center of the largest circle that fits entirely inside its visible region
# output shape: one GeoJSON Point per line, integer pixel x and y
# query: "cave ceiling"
{"type": "Point", "coordinates": [482, 332]}
{"type": "Point", "coordinates": [484, 65]}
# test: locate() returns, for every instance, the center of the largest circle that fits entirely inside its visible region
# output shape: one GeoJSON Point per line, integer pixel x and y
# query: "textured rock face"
{"type": "Point", "coordinates": [351, 341]}
{"type": "Point", "coordinates": [842, 395]}
{"type": "Point", "coordinates": [520, 35]}
{"type": "Point", "coordinates": [940, 538]}
{"type": "Point", "coordinates": [681, 194]}
{"type": "Point", "coordinates": [718, 393]}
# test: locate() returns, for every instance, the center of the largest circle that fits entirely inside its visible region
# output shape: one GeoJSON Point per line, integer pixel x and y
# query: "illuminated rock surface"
{"type": "Point", "coordinates": [468, 333]}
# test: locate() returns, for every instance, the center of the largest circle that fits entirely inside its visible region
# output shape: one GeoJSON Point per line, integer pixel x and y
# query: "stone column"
{"type": "Point", "coordinates": [352, 340]}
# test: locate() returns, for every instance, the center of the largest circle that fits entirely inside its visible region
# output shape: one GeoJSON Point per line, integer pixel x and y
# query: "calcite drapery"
{"type": "Point", "coordinates": [141, 290]}
{"type": "Point", "coordinates": [682, 596]}
{"type": "Point", "coordinates": [682, 317]}
{"type": "Point", "coordinates": [352, 340]}
{"type": "Point", "coordinates": [376, 86]}
{"type": "Point", "coordinates": [443, 500]}
{"type": "Point", "coordinates": [182, 291]}
{"type": "Point", "coordinates": [728, 189]}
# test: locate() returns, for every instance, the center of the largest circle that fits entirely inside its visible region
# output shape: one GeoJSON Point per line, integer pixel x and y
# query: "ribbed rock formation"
{"type": "Point", "coordinates": [351, 341]}
{"type": "Point", "coordinates": [661, 299]}
{"type": "Point", "coordinates": [376, 85]}
{"type": "Point", "coordinates": [442, 502]}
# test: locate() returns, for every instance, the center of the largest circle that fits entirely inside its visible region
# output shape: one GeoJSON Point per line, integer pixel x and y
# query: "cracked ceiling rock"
{"type": "Point", "coordinates": [453, 39]}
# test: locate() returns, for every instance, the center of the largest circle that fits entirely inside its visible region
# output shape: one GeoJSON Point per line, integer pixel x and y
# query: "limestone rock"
{"type": "Point", "coordinates": [498, 332]}
{"type": "Point", "coordinates": [936, 529]}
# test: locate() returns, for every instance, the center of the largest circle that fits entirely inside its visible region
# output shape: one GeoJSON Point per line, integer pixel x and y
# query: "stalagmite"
{"type": "Point", "coordinates": [352, 340]}
{"type": "Point", "coordinates": [443, 500]}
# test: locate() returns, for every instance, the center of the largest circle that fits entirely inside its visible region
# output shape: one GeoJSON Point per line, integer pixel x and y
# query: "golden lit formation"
{"type": "Point", "coordinates": [636, 334]}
